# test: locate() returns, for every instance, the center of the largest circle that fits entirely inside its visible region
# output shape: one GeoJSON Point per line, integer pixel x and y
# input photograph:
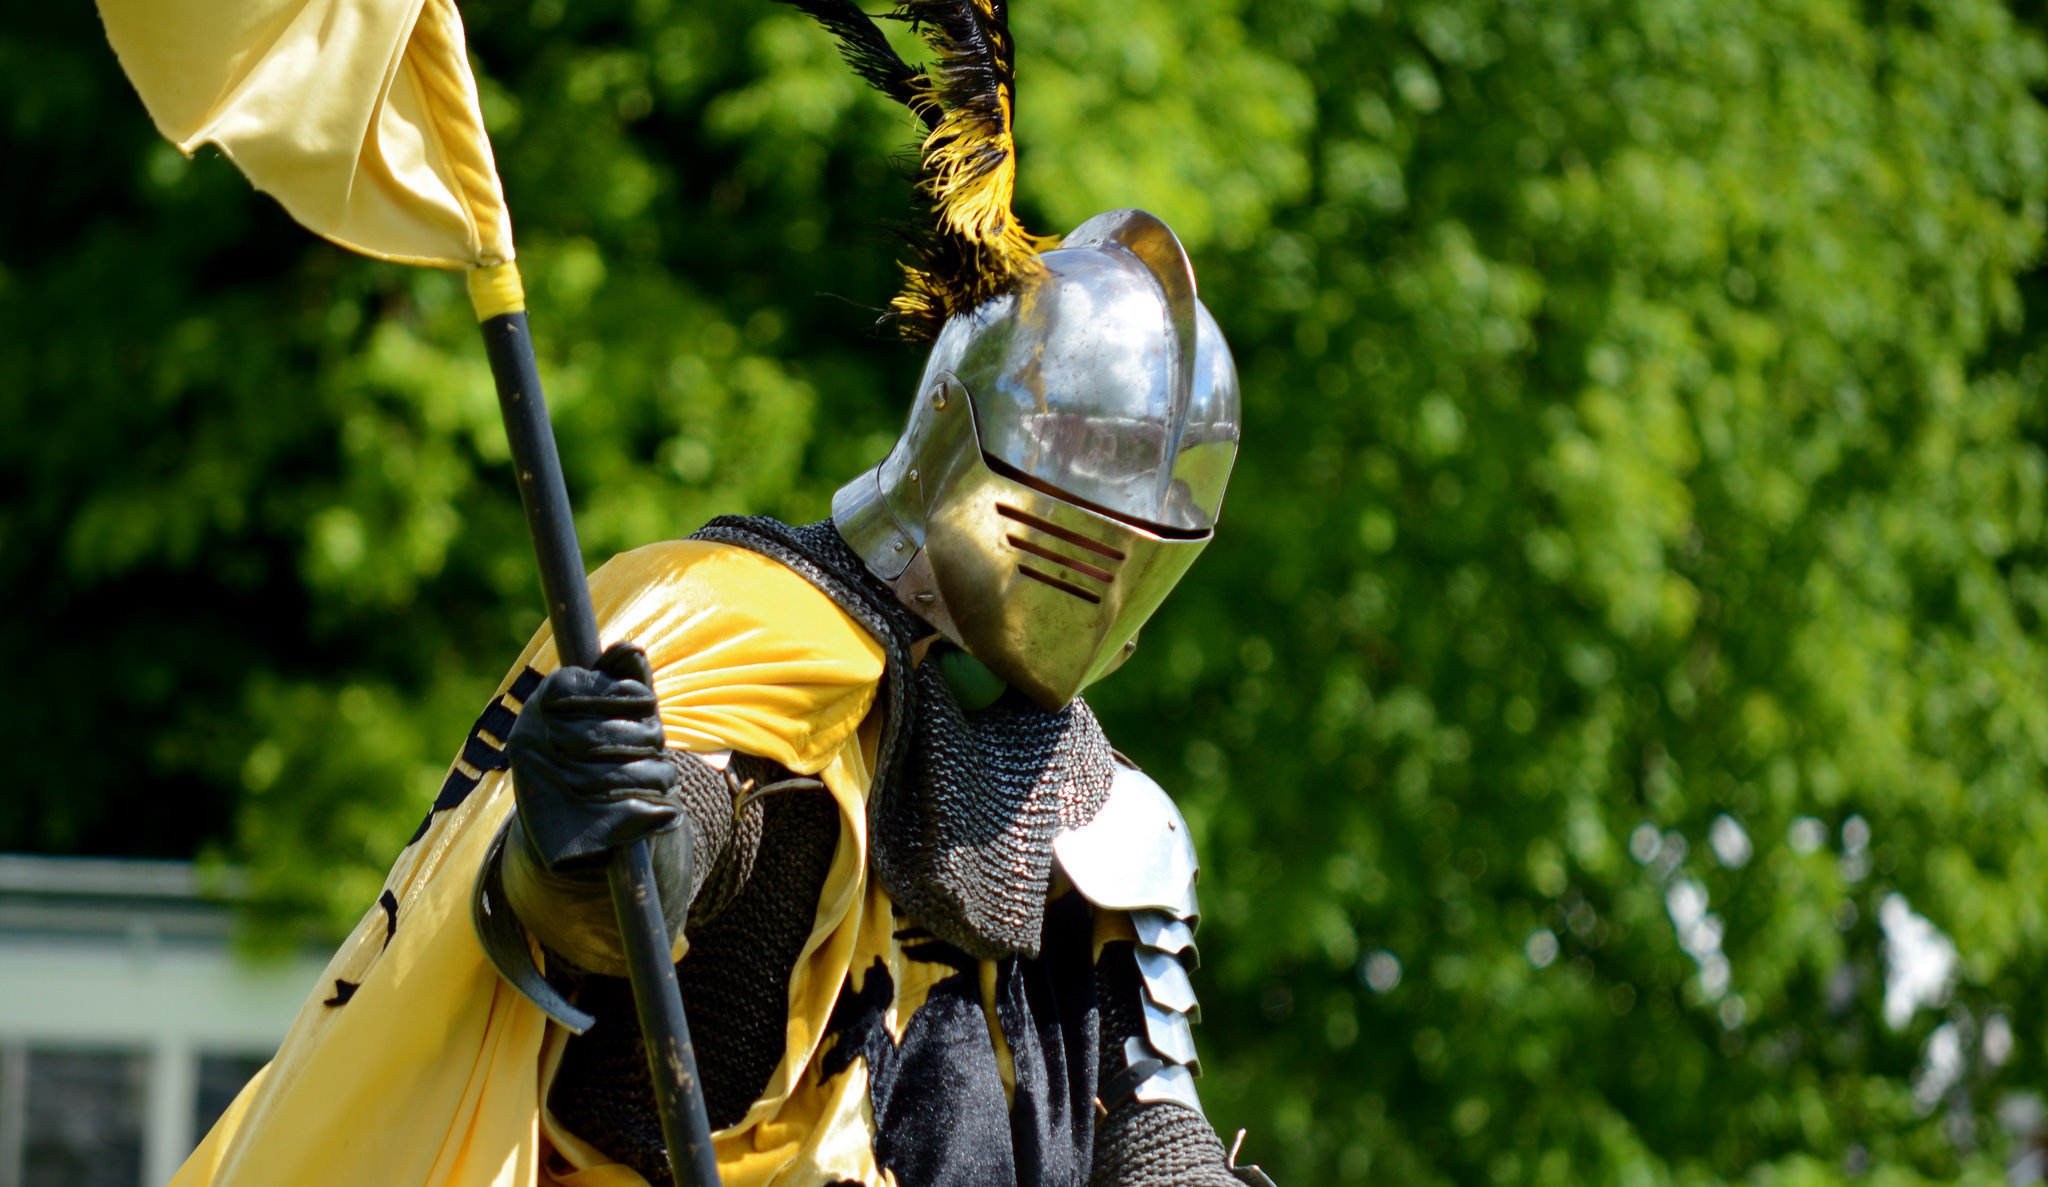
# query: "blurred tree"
{"type": "Point", "coordinates": [1634, 580]}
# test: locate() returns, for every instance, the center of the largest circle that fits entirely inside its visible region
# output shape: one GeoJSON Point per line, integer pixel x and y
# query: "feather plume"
{"type": "Point", "coordinates": [975, 248]}
{"type": "Point", "coordinates": [864, 47]}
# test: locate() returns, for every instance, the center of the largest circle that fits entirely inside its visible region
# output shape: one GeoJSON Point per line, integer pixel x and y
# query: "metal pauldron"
{"type": "Point", "coordinates": [1135, 856]}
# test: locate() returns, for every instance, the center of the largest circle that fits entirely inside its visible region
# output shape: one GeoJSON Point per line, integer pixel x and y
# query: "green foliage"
{"type": "Point", "coordinates": [1644, 449]}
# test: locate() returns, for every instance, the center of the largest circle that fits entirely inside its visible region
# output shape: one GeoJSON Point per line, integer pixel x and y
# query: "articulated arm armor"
{"type": "Point", "coordinates": [1136, 858]}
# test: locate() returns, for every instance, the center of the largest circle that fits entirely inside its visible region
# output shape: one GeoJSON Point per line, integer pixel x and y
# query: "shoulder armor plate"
{"type": "Point", "coordinates": [1171, 1034]}
{"type": "Point", "coordinates": [1136, 854]}
{"type": "Point", "coordinates": [1170, 1083]}
{"type": "Point", "coordinates": [1157, 929]}
{"type": "Point", "coordinates": [1166, 982]}
{"type": "Point", "coordinates": [1136, 857]}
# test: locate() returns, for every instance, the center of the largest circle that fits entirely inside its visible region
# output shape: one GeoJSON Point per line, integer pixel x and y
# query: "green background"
{"type": "Point", "coordinates": [1644, 426]}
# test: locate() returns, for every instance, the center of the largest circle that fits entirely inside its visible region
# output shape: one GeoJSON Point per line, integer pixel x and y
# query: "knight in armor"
{"type": "Point", "coordinates": [930, 928]}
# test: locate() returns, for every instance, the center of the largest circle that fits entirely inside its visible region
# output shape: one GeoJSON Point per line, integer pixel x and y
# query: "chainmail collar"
{"type": "Point", "coordinates": [964, 805]}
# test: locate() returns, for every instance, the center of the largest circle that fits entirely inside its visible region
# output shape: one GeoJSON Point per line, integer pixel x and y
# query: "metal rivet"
{"type": "Point", "coordinates": [923, 597]}
{"type": "Point", "coordinates": [913, 473]}
{"type": "Point", "coordinates": [939, 396]}
{"type": "Point", "coordinates": [898, 545]}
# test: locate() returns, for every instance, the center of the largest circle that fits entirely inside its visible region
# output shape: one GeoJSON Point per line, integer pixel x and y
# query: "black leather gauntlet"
{"type": "Point", "coordinates": [589, 764]}
{"type": "Point", "coordinates": [591, 772]}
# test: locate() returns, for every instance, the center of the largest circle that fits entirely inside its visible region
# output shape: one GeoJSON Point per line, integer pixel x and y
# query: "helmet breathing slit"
{"type": "Point", "coordinates": [1043, 553]}
{"type": "Point", "coordinates": [1063, 586]}
{"type": "Point", "coordinates": [1054, 530]}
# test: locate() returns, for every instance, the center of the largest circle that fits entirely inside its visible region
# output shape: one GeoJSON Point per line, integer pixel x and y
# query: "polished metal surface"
{"type": "Point", "coordinates": [1171, 1034]}
{"type": "Point", "coordinates": [1157, 929]}
{"type": "Point", "coordinates": [1166, 982]}
{"type": "Point", "coordinates": [1170, 1083]}
{"type": "Point", "coordinates": [1136, 854]}
{"type": "Point", "coordinates": [1107, 380]}
{"type": "Point", "coordinates": [865, 522]}
{"type": "Point", "coordinates": [1044, 591]}
{"type": "Point", "coordinates": [1063, 464]}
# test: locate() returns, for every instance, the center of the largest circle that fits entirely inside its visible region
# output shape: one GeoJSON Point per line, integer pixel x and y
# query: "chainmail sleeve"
{"type": "Point", "coordinates": [734, 981]}
{"type": "Point", "coordinates": [1141, 1144]}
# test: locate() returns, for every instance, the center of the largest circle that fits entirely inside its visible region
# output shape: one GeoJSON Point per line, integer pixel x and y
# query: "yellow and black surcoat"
{"type": "Point", "coordinates": [903, 1060]}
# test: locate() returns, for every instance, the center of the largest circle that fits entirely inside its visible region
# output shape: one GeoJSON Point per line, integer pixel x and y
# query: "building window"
{"type": "Point", "coordinates": [82, 1119]}
{"type": "Point", "coordinates": [220, 1078]}
{"type": "Point", "coordinates": [79, 1117]}
{"type": "Point", "coordinates": [127, 1026]}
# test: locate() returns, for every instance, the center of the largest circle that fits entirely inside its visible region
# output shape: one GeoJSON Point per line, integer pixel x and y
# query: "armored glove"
{"type": "Point", "coordinates": [590, 772]}
{"type": "Point", "coordinates": [589, 766]}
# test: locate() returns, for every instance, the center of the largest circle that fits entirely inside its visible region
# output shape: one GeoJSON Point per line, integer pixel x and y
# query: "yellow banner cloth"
{"type": "Point", "coordinates": [360, 116]}
{"type": "Point", "coordinates": [434, 1071]}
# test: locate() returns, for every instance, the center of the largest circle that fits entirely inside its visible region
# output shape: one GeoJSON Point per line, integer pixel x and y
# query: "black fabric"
{"type": "Point", "coordinates": [1139, 1144]}
{"type": "Point", "coordinates": [735, 985]}
{"type": "Point", "coordinates": [941, 1119]}
{"type": "Point", "coordinates": [589, 762]}
{"type": "Point", "coordinates": [1050, 1019]}
{"type": "Point", "coordinates": [938, 1097]}
{"type": "Point", "coordinates": [964, 805]}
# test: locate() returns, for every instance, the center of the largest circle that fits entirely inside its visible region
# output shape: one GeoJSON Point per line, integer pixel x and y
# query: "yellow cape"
{"type": "Point", "coordinates": [434, 1071]}
{"type": "Point", "coordinates": [360, 116]}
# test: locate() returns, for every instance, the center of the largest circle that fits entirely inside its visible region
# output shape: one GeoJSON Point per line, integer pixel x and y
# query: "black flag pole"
{"type": "Point", "coordinates": [425, 96]}
{"type": "Point", "coordinates": [678, 1094]}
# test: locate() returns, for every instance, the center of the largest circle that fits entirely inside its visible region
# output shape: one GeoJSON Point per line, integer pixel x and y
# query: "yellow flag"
{"type": "Point", "coordinates": [360, 116]}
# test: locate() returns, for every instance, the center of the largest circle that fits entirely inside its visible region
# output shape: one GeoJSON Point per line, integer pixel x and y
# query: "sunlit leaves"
{"type": "Point", "coordinates": [1644, 450]}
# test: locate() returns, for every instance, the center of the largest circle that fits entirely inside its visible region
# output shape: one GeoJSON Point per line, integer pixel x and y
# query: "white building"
{"type": "Point", "coordinates": [126, 1025]}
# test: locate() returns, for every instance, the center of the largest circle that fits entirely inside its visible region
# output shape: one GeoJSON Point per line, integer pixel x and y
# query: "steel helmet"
{"type": "Point", "coordinates": [1064, 460]}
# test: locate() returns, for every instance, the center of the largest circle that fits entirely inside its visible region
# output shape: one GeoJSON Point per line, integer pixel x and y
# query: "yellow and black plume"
{"type": "Point", "coordinates": [966, 97]}
{"type": "Point", "coordinates": [865, 49]}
